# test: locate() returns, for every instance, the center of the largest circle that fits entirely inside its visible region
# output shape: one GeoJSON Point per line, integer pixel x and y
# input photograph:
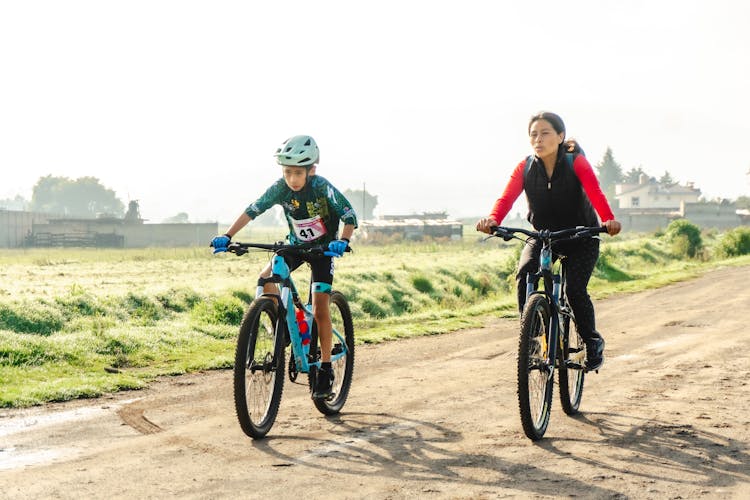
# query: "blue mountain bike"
{"type": "Point", "coordinates": [271, 323]}
{"type": "Point", "coordinates": [546, 339]}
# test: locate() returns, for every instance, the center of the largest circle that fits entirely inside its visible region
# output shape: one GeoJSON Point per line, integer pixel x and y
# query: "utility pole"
{"type": "Point", "coordinates": [364, 190]}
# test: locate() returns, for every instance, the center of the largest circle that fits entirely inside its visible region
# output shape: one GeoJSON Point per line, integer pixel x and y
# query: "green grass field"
{"type": "Point", "coordinates": [82, 322]}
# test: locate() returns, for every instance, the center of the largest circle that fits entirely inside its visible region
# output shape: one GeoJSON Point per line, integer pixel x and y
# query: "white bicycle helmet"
{"type": "Point", "coordinates": [298, 151]}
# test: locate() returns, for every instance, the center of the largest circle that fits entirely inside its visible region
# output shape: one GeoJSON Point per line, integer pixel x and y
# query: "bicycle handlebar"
{"type": "Point", "coordinates": [507, 233]}
{"type": "Point", "coordinates": [280, 248]}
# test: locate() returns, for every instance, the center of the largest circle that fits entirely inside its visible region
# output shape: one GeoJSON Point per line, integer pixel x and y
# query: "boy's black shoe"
{"type": "Point", "coordinates": [594, 353]}
{"type": "Point", "coordinates": [323, 385]}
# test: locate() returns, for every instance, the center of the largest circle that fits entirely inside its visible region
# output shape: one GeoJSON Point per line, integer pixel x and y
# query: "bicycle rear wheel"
{"type": "Point", "coordinates": [535, 376]}
{"type": "Point", "coordinates": [259, 368]}
{"type": "Point", "coordinates": [572, 356]}
{"type": "Point", "coordinates": [343, 368]}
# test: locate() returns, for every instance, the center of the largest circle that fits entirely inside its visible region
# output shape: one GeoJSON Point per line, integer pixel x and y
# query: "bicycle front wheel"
{"type": "Point", "coordinates": [572, 356]}
{"type": "Point", "coordinates": [534, 373]}
{"type": "Point", "coordinates": [343, 368]}
{"type": "Point", "coordinates": [259, 368]}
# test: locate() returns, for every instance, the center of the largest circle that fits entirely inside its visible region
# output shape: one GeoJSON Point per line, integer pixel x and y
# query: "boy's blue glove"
{"type": "Point", "coordinates": [336, 248]}
{"type": "Point", "coordinates": [220, 243]}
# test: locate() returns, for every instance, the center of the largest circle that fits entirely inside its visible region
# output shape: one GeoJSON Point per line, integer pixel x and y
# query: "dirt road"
{"type": "Point", "coordinates": [435, 417]}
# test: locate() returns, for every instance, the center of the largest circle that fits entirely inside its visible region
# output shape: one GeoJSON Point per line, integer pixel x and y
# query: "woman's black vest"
{"type": "Point", "coordinates": [559, 202]}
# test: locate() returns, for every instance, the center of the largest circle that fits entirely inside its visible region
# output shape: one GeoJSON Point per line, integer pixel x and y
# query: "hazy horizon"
{"type": "Point", "coordinates": [180, 105]}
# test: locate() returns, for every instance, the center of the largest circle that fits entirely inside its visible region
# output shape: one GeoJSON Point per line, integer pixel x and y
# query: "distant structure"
{"type": "Point", "coordinates": [411, 227]}
{"type": "Point", "coordinates": [15, 226]}
{"type": "Point", "coordinates": [649, 194]}
{"type": "Point", "coordinates": [34, 229]}
{"type": "Point", "coordinates": [651, 205]}
{"type": "Point", "coordinates": [133, 215]}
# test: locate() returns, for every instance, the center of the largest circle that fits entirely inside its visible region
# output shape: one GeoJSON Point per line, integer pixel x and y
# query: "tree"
{"type": "Point", "coordinates": [666, 179]}
{"type": "Point", "coordinates": [743, 202]}
{"type": "Point", "coordinates": [609, 173]}
{"type": "Point", "coordinates": [634, 175]}
{"type": "Point", "coordinates": [83, 197]}
{"type": "Point", "coordinates": [363, 202]}
{"type": "Point", "coordinates": [17, 203]}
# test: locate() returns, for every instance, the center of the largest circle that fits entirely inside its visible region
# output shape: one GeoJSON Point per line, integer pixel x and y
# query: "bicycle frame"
{"type": "Point", "coordinates": [546, 274]}
{"type": "Point", "coordinates": [288, 299]}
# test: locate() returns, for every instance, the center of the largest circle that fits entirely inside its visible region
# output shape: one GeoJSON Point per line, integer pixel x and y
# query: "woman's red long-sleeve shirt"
{"type": "Point", "coordinates": [584, 173]}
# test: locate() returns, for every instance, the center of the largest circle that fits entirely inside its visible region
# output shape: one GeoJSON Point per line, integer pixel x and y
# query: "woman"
{"type": "Point", "coordinates": [559, 196]}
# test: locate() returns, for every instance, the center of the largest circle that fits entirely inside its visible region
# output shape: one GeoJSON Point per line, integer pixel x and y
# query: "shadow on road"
{"type": "Point", "coordinates": [655, 450]}
{"type": "Point", "coordinates": [413, 450]}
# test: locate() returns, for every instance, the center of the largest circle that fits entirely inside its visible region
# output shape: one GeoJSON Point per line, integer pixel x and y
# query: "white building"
{"type": "Point", "coordinates": [649, 194]}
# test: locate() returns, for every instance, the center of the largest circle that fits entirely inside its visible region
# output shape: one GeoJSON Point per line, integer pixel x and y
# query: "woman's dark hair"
{"type": "Point", "coordinates": [570, 145]}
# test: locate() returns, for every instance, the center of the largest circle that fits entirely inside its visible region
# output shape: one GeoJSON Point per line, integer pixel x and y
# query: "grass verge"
{"type": "Point", "coordinates": [75, 325]}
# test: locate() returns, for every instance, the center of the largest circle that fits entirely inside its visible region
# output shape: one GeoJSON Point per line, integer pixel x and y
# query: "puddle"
{"type": "Point", "coordinates": [12, 458]}
{"type": "Point", "coordinates": [32, 422]}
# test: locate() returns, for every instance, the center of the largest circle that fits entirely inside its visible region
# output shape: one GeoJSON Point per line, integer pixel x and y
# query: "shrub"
{"type": "Point", "coordinates": [606, 270]}
{"type": "Point", "coordinates": [481, 283]}
{"type": "Point", "coordinates": [178, 299]}
{"type": "Point", "coordinates": [30, 318]}
{"type": "Point", "coordinates": [373, 308]}
{"type": "Point", "coordinates": [142, 308]}
{"type": "Point", "coordinates": [79, 304]}
{"type": "Point", "coordinates": [734, 243]}
{"type": "Point", "coordinates": [422, 283]}
{"type": "Point", "coordinates": [400, 303]}
{"type": "Point", "coordinates": [225, 310]}
{"type": "Point", "coordinates": [24, 351]}
{"type": "Point", "coordinates": [119, 349]}
{"type": "Point", "coordinates": [685, 238]}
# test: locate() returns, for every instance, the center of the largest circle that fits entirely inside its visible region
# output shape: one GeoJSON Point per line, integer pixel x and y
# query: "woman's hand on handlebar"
{"type": "Point", "coordinates": [613, 227]}
{"type": "Point", "coordinates": [487, 225]}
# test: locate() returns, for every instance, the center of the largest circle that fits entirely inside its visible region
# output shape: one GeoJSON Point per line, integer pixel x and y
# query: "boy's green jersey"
{"type": "Point", "coordinates": [313, 213]}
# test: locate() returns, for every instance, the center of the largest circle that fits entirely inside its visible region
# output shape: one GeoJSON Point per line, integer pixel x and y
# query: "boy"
{"type": "Point", "coordinates": [313, 209]}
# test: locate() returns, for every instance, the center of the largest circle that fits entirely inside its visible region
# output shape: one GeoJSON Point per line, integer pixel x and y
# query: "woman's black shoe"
{"type": "Point", "coordinates": [594, 353]}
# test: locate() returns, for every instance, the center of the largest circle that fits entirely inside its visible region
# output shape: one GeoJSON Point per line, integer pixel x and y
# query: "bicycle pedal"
{"type": "Point", "coordinates": [328, 397]}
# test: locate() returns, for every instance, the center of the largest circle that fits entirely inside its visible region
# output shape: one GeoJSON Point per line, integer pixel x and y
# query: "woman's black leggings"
{"type": "Point", "coordinates": [580, 259]}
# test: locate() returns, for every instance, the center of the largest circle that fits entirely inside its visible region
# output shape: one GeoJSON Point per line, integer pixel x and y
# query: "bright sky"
{"type": "Point", "coordinates": [180, 104]}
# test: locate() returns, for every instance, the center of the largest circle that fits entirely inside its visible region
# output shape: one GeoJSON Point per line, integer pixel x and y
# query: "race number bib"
{"type": "Point", "coordinates": [309, 229]}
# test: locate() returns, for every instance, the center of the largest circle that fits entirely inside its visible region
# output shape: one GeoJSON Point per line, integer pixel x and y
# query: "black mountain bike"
{"type": "Point", "coordinates": [546, 339]}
